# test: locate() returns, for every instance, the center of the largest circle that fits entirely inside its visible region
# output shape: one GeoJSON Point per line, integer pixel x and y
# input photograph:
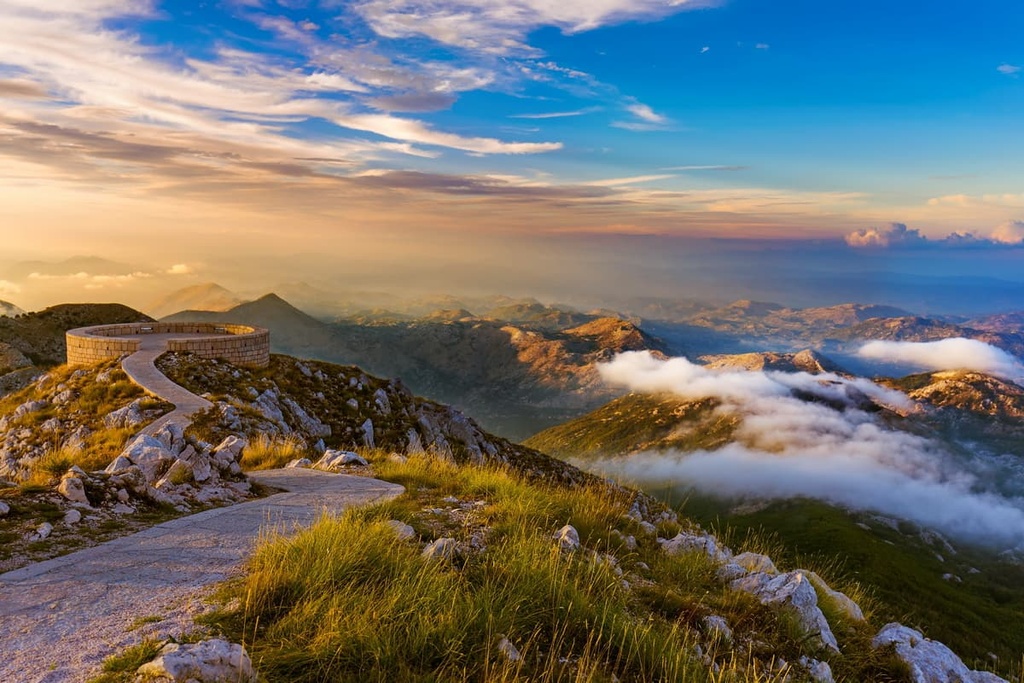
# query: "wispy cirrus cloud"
{"type": "Point", "coordinates": [504, 27]}
{"type": "Point", "coordinates": [1008, 69]}
{"type": "Point", "coordinates": [705, 167]}
{"type": "Point", "coordinates": [557, 114]}
{"type": "Point", "coordinates": [236, 106]}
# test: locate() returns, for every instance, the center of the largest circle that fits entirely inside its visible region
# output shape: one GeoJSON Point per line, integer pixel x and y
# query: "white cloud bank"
{"type": "Point", "coordinates": [946, 354]}
{"type": "Point", "coordinates": [827, 448]}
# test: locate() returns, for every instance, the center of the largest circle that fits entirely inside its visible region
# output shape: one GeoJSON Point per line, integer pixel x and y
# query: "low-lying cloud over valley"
{"type": "Point", "coordinates": [825, 445]}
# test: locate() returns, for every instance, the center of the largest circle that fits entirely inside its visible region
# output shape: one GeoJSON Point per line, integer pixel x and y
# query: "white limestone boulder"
{"type": "Point", "coordinates": [72, 488]}
{"type": "Point", "coordinates": [792, 591]}
{"type": "Point", "coordinates": [929, 661]}
{"type": "Point", "coordinates": [209, 661]}
{"type": "Point", "coordinates": [150, 455]}
{"type": "Point", "coordinates": [717, 629]}
{"type": "Point", "coordinates": [332, 460]}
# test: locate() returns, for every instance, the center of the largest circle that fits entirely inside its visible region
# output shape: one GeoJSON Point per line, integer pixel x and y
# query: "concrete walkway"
{"type": "Point", "coordinates": [141, 368]}
{"type": "Point", "coordinates": [60, 618]}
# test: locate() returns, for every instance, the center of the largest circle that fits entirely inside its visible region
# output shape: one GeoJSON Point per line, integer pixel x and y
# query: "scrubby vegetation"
{"type": "Point", "coordinates": [347, 600]}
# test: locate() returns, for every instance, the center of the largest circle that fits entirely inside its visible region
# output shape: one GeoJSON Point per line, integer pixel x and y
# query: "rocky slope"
{"type": "Point", "coordinates": [341, 407]}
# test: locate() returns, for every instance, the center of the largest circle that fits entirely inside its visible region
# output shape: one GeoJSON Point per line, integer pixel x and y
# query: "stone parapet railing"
{"type": "Point", "coordinates": [244, 345]}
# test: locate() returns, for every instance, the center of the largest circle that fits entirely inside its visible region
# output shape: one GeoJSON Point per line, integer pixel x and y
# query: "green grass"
{"type": "Point", "coordinates": [121, 667]}
{"type": "Point", "coordinates": [346, 601]}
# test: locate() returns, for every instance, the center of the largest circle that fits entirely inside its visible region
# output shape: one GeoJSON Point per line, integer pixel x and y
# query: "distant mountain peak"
{"type": "Point", "coordinates": [808, 360]}
{"type": "Point", "coordinates": [205, 296]}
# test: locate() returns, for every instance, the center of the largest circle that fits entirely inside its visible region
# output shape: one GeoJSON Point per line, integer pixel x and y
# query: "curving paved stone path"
{"type": "Point", "coordinates": [60, 618]}
{"type": "Point", "coordinates": [141, 368]}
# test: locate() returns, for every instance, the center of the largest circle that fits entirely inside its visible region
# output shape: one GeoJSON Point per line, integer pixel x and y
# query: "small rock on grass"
{"type": "Point", "coordinates": [442, 549]}
{"type": "Point", "coordinates": [568, 538]}
{"type": "Point", "coordinates": [506, 648]}
{"type": "Point", "coordinates": [402, 530]}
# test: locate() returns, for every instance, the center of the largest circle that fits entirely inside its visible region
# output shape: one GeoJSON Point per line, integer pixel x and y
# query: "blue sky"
{"type": "Point", "coordinates": [267, 123]}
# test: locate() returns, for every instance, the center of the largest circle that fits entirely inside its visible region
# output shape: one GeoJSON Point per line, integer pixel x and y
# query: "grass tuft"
{"type": "Point", "coordinates": [270, 452]}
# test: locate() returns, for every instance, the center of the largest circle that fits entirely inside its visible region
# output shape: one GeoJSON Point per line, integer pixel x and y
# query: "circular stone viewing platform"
{"type": "Point", "coordinates": [244, 345]}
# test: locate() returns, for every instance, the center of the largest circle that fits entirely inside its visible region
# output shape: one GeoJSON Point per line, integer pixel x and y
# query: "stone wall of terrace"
{"type": "Point", "coordinates": [239, 344]}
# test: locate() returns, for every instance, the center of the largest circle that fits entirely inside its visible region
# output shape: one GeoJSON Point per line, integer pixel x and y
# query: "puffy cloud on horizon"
{"type": "Point", "coordinates": [1010, 232]}
{"type": "Point", "coordinates": [899, 236]}
{"type": "Point", "coordinates": [947, 354]}
{"type": "Point", "coordinates": [92, 281]}
{"type": "Point", "coordinates": [829, 449]}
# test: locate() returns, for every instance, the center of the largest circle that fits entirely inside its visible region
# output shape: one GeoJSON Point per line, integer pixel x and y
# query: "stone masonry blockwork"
{"type": "Point", "coordinates": [238, 344]}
